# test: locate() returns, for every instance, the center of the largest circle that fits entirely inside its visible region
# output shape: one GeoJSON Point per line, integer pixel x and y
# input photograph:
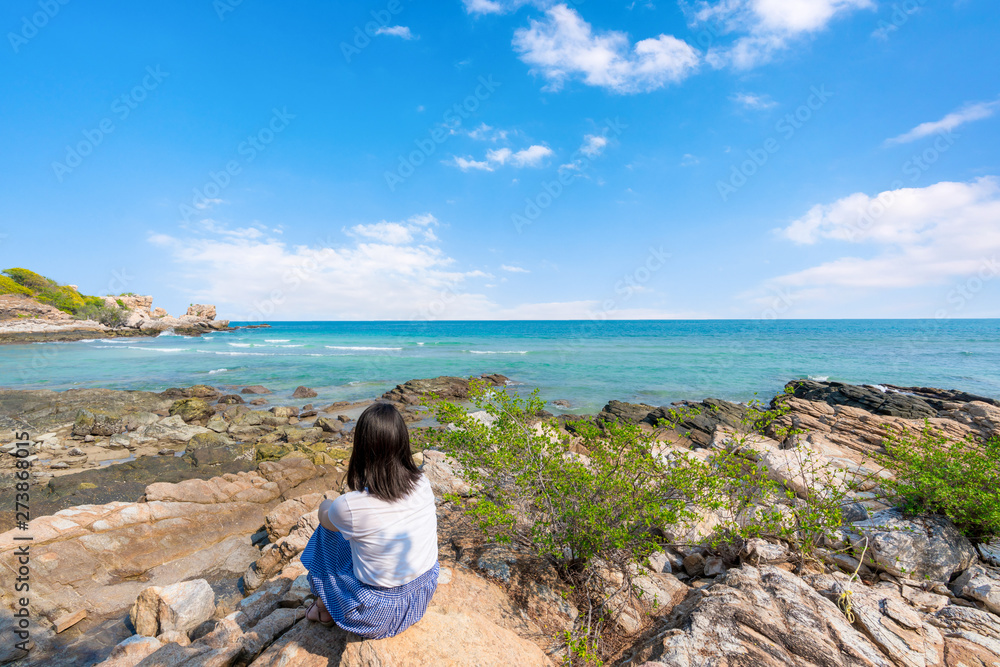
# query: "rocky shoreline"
{"type": "Point", "coordinates": [24, 320]}
{"type": "Point", "coordinates": [174, 521]}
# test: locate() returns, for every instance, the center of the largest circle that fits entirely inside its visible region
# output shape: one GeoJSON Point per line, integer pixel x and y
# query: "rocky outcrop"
{"type": "Point", "coordinates": [761, 616]}
{"type": "Point", "coordinates": [18, 306]}
{"type": "Point", "coordinates": [140, 305]}
{"type": "Point", "coordinates": [100, 558]}
{"type": "Point", "coordinates": [921, 548]}
{"type": "Point", "coordinates": [201, 311]}
{"type": "Point", "coordinates": [414, 392]}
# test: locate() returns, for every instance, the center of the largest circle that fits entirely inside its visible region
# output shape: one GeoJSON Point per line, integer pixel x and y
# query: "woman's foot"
{"type": "Point", "coordinates": [317, 612]}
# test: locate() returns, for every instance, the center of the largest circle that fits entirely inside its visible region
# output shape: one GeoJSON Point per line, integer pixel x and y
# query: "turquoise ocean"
{"type": "Point", "coordinates": [585, 362]}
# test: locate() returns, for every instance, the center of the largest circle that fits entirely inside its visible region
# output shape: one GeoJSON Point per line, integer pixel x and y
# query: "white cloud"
{"type": "Point", "coordinates": [340, 279]}
{"type": "Point", "coordinates": [205, 204]}
{"type": "Point", "coordinates": [485, 7]}
{"type": "Point", "coordinates": [484, 132]}
{"type": "Point", "coordinates": [689, 160]}
{"type": "Point", "coordinates": [766, 26]}
{"type": "Point", "coordinates": [467, 164]}
{"type": "Point", "coordinates": [593, 145]}
{"type": "Point", "coordinates": [913, 236]}
{"type": "Point", "coordinates": [396, 31]}
{"type": "Point", "coordinates": [513, 269]}
{"type": "Point", "coordinates": [533, 156]}
{"type": "Point", "coordinates": [752, 101]}
{"type": "Point", "coordinates": [967, 114]}
{"type": "Point", "coordinates": [397, 233]}
{"type": "Point", "coordinates": [563, 46]}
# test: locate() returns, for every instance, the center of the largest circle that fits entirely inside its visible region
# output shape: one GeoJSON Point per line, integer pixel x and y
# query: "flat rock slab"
{"type": "Point", "coordinates": [444, 637]}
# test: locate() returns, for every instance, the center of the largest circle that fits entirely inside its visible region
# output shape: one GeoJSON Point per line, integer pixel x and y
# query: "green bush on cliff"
{"type": "Point", "coordinates": [47, 291]}
{"type": "Point", "coordinates": [957, 479]}
{"type": "Point", "coordinates": [9, 286]}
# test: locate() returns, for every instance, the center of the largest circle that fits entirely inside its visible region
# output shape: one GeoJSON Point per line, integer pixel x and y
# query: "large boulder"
{"type": "Point", "coordinates": [173, 430]}
{"type": "Point", "coordinates": [414, 392]}
{"type": "Point", "coordinates": [192, 410]}
{"type": "Point", "coordinates": [304, 392]}
{"type": "Point", "coordinates": [442, 473]}
{"type": "Point", "coordinates": [765, 617]}
{"type": "Point", "coordinates": [98, 422]}
{"type": "Point", "coordinates": [280, 521]}
{"type": "Point", "coordinates": [203, 311]}
{"type": "Point", "coordinates": [923, 547]}
{"type": "Point", "coordinates": [180, 607]}
{"type": "Point", "coordinates": [876, 400]}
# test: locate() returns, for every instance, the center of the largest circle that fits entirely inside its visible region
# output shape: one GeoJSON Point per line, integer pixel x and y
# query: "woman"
{"type": "Point", "coordinates": [373, 560]}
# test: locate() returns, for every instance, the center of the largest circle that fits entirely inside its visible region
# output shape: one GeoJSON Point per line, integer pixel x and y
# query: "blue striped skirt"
{"type": "Point", "coordinates": [368, 611]}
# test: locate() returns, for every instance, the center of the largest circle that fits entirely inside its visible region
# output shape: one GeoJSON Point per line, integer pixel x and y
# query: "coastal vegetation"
{"type": "Point", "coordinates": [959, 479]}
{"type": "Point", "coordinates": [598, 503]}
{"type": "Point", "coordinates": [45, 290]}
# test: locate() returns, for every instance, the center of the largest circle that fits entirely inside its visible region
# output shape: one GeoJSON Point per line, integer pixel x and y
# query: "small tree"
{"type": "Point", "coordinates": [597, 501]}
{"type": "Point", "coordinates": [958, 479]}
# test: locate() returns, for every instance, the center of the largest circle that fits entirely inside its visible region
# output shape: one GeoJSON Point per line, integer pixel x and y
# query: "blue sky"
{"type": "Point", "coordinates": [484, 159]}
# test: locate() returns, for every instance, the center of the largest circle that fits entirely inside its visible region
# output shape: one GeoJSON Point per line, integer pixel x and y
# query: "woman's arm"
{"type": "Point", "coordinates": [324, 515]}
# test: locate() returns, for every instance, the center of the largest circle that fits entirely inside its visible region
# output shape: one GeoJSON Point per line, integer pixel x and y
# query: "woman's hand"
{"type": "Point", "coordinates": [324, 515]}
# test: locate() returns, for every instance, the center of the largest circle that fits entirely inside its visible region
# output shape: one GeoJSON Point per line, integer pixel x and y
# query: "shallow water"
{"type": "Point", "coordinates": [585, 362]}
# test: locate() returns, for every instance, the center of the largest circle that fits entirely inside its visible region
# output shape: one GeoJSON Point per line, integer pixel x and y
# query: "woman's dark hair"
{"type": "Point", "coordinates": [382, 461]}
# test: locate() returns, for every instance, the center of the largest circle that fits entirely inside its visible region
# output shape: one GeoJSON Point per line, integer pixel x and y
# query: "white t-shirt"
{"type": "Point", "coordinates": [391, 543]}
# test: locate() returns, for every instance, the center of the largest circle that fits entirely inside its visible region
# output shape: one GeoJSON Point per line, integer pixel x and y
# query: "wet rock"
{"type": "Point", "coordinates": [255, 389]}
{"type": "Point", "coordinates": [284, 411]}
{"type": "Point", "coordinates": [230, 399]}
{"type": "Point", "coordinates": [196, 391]}
{"type": "Point", "coordinates": [870, 399]}
{"type": "Point", "coordinates": [304, 392]}
{"type": "Point", "coordinates": [413, 392]}
{"type": "Point", "coordinates": [329, 425]}
{"type": "Point", "coordinates": [258, 401]}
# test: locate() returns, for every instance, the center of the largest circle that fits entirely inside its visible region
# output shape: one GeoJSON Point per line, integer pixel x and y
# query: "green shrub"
{"type": "Point", "coordinates": [957, 479]}
{"type": "Point", "coordinates": [29, 279]}
{"type": "Point", "coordinates": [538, 490]}
{"type": "Point", "coordinates": [9, 286]}
{"type": "Point", "coordinates": [110, 317]}
{"type": "Point", "coordinates": [48, 291]}
{"type": "Point", "coordinates": [586, 506]}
